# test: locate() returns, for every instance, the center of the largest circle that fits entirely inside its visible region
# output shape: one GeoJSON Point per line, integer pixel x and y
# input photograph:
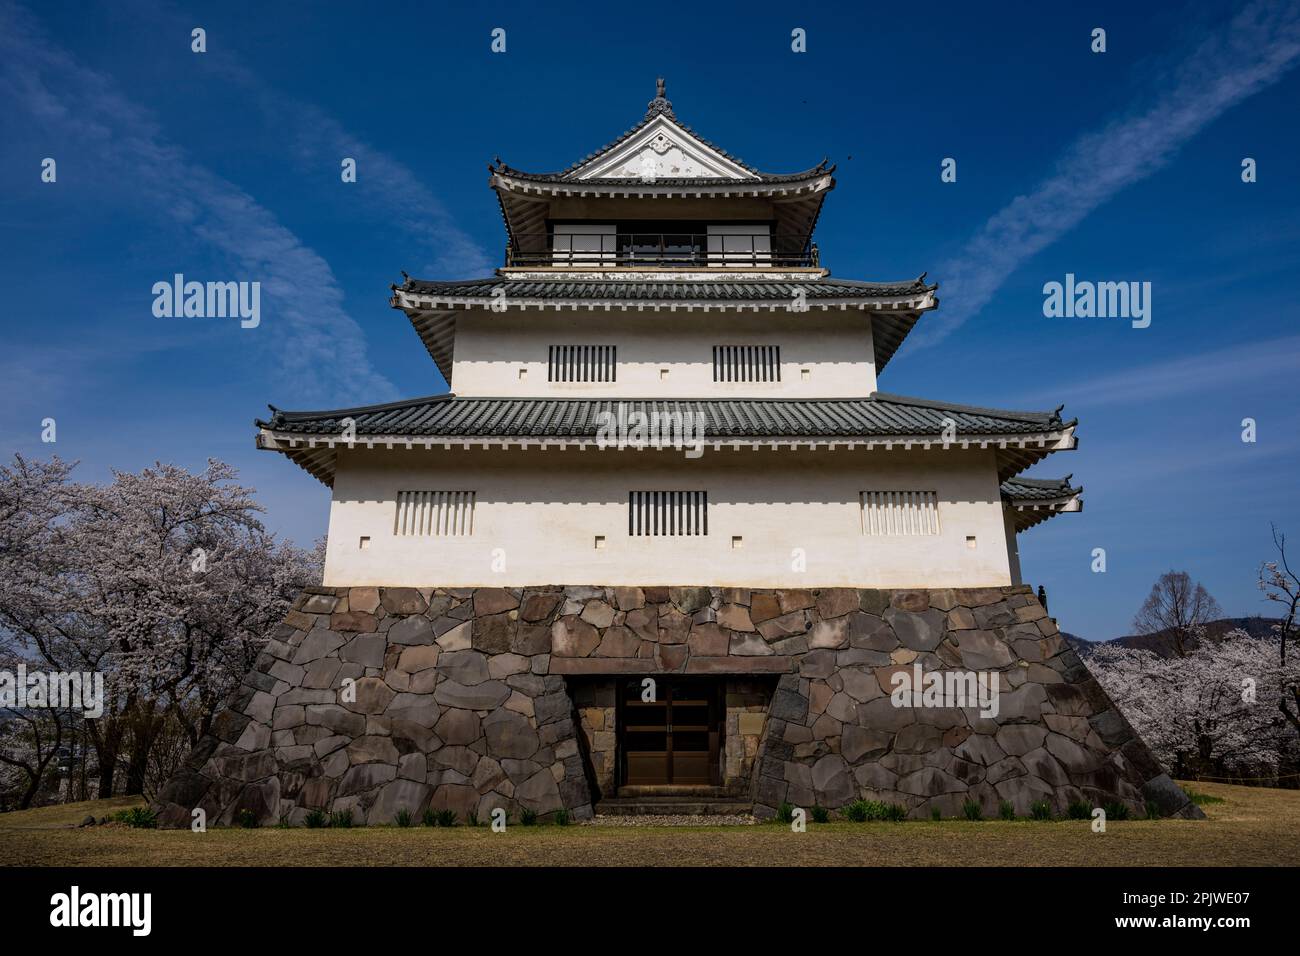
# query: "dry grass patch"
{"type": "Point", "coordinates": [63, 815]}
{"type": "Point", "coordinates": [1252, 827]}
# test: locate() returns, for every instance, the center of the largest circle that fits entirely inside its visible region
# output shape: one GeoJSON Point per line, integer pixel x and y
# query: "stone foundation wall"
{"type": "Point", "coordinates": [748, 700]}
{"type": "Point", "coordinates": [598, 715]}
{"type": "Point", "coordinates": [375, 700]}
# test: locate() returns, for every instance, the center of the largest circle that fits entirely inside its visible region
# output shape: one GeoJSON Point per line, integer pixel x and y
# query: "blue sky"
{"type": "Point", "coordinates": [1117, 166]}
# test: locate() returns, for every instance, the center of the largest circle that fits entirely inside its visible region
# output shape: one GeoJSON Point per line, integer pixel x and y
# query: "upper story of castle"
{"type": "Point", "coordinates": [660, 197]}
{"type": "Point", "coordinates": [662, 266]}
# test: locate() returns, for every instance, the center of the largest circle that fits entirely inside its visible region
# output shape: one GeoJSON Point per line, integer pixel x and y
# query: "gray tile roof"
{"type": "Point", "coordinates": [524, 207]}
{"type": "Point", "coordinates": [659, 106]}
{"type": "Point", "coordinates": [621, 182]}
{"type": "Point", "coordinates": [1038, 489]}
{"type": "Point", "coordinates": [1034, 500]}
{"type": "Point", "coordinates": [308, 438]}
{"type": "Point", "coordinates": [890, 325]}
{"type": "Point", "coordinates": [879, 415]}
{"type": "Point", "coordinates": [656, 290]}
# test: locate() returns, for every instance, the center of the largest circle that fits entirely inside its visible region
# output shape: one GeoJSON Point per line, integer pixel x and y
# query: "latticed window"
{"type": "Point", "coordinates": [434, 513]}
{"type": "Point", "coordinates": [582, 363]}
{"type": "Point", "coordinates": [661, 513]}
{"type": "Point", "coordinates": [900, 512]}
{"type": "Point", "coordinates": [747, 363]}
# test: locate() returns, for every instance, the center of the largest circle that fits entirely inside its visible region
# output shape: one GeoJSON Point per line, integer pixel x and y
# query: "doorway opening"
{"type": "Point", "coordinates": [670, 734]}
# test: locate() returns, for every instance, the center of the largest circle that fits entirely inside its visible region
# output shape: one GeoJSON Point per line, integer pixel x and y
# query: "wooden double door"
{"type": "Point", "coordinates": [673, 736]}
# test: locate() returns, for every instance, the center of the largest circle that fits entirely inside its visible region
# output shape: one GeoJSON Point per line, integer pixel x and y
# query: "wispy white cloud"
{"type": "Point", "coordinates": [401, 199]}
{"type": "Point", "coordinates": [320, 347]}
{"type": "Point", "coordinates": [315, 139]}
{"type": "Point", "coordinates": [1254, 50]}
{"type": "Point", "coordinates": [1272, 360]}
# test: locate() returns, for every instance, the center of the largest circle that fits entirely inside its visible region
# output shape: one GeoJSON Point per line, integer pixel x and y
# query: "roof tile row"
{"type": "Point", "coordinates": [879, 415]}
{"type": "Point", "coordinates": [667, 290]}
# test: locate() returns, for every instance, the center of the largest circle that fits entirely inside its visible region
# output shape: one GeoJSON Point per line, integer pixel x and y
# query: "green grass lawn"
{"type": "Point", "coordinates": [1250, 827]}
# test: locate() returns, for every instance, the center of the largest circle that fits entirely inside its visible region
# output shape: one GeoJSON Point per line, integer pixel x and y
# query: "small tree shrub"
{"type": "Point", "coordinates": [1200, 799]}
{"type": "Point", "coordinates": [140, 818]}
{"type": "Point", "coordinates": [1078, 810]}
{"type": "Point", "coordinates": [861, 811]}
{"type": "Point", "coordinates": [246, 819]}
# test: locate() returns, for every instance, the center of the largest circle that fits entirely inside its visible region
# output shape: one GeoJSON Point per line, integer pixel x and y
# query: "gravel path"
{"type": "Point", "coordinates": [671, 820]}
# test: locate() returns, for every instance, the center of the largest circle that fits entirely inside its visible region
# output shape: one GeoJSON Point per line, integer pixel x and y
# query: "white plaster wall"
{"type": "Point", "coordinates": [834, 346]}
{"type": "Point", "coordinates": [543, 509]}
{"type": "Point", "coordinates": [1013, 545]}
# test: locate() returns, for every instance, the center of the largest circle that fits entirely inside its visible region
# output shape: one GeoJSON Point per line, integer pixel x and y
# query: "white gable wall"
{"type": "Point", "coordinates": [664, 354]}
{"type": "Point", "coordinates": [663, 150]}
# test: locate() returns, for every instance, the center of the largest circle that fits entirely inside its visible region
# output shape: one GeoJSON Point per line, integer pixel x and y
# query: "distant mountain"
{"type": "Point", "coordinates": [1162, 645]}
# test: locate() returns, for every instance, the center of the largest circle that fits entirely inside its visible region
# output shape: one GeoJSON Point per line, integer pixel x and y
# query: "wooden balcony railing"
{"type": "Point", "coordinates": [759, 250]}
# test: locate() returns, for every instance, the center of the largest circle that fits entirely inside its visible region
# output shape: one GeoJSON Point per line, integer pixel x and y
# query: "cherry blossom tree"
{"type": "Point", "coordinates": [1208, 712]}
{"type": "Point", "coordinates": [165, 581]}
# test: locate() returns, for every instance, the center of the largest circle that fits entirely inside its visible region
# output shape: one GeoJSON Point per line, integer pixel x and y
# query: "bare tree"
{"type": "Point", "coordinates": [1279, 583]}
{"type": "Point", "coordinates": [1179, 608]}
{"type": "Point", "coordinates": [29, 741]}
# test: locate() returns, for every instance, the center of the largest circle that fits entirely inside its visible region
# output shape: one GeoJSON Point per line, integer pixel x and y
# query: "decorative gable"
{"type": "Point", "coordinates": [662, 149]}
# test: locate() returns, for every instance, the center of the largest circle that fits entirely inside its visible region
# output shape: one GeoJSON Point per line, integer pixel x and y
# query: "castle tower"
{"type": "Point", "coordinates": [664, 536]}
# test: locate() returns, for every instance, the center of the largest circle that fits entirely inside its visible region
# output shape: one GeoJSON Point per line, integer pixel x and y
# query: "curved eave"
{"type": "Point", "coordinates": [820, 179]}
{"type": "Point", "coordinates": [526, 203]}
{"type": "Point", "coordinates": [1026, 512]}
{"type": "Point", "coordinates": [433, 315]}
{"type": "Point", "coordinates": [318, 454]}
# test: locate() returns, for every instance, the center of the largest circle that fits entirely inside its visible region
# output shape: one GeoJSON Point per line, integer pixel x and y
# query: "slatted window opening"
{"type": "Point", "coordinates": [441, 514]}
{"type": "Point", "coordinates": [665, 513]}
{"type": "Point", "coordinates": [583, 363]}
{"type": "Point", "coordinates": [900, 512]}
{"type": "Point", "coordinates": [747, 363]}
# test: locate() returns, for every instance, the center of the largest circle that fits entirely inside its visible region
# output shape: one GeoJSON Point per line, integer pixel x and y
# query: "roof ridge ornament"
{"type": "Point", "coordinates": [661, 103]}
